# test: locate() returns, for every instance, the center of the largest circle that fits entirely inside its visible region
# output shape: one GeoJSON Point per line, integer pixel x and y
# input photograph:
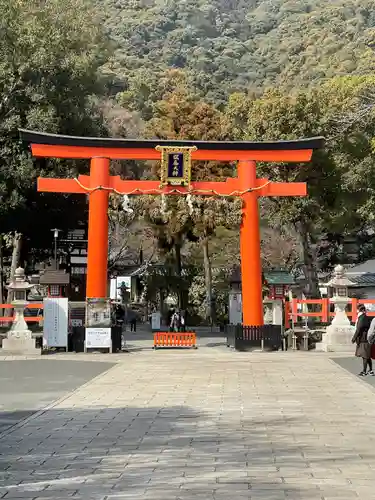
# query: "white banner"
{"type": "Point", "coordinates": [55, 324]}
{"type": "Point", "coordinates": [99, 338]}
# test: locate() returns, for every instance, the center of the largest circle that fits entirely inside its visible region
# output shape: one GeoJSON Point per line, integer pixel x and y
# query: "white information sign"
{"type": "Point", "coordinates": [155, 320]}
{"type": "Point", "coordinates": [99, 338]}
{"type": "Point", "coordinates": [55, 324]}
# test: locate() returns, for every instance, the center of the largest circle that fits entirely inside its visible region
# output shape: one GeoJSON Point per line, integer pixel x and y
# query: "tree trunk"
{"type": "Point", "coordinates": [177, 249]}
{"type": "Point", "coordinates": [161, 303]}
{"type": "Point", "coordinates": [208, 280]}
{"type": "Point", "coordinates": [309, 261]}
{"type": "Point", "coordinates": [1, 273]}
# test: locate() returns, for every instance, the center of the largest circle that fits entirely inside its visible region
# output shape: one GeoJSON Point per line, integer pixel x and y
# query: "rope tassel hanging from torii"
{"type": "Point", "coordinates": [158, 191]}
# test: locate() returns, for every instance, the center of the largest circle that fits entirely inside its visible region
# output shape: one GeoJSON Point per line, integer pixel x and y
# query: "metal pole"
{"type": "Point", "coordinates": [56, 250]}
{"type": "Point", "coordinates": [55, 236]}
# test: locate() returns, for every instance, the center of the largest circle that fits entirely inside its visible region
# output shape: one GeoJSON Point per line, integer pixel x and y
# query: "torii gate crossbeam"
{"type": "Point", "coordinates": [100, 183]}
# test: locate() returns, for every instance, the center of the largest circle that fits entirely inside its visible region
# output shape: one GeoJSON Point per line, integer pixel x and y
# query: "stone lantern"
{"type": "Point", "coordinates": [19, 339]}
{"type": "Point", "coordinates": [339, 334]}
{"type": "Point", "coordinates": [340, 283]}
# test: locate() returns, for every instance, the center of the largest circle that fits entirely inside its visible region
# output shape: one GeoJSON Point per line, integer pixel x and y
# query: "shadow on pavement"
{"type": "Point", "coordinates": [164, 453]}
{"type": "Point", "coordinates": [354, 365]}
{"type": "Point", "coordinates": [28, 385]}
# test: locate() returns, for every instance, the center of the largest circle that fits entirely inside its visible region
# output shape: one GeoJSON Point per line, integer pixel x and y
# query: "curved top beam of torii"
{"type": "Point", "coordinates": [65, 146]}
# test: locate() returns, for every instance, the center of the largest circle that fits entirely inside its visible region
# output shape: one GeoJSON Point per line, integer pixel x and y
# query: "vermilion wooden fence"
{"type": "Point", "coordinates": [10, 319]}
{"type": "Point", "coordinates": [325, 310]}
{"type": "Point", "coordinates": [171, 339]}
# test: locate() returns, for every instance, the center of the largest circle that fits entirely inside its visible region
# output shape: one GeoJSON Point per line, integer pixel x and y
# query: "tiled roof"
{"type": "Point", "coordinates": [363, 279]}
{"type": "Point", "coordinates": [54, 277]}
{"type": "Point", "coordinates": [272, 277]}
{"type": "Point", "coordinates": [279, 278]}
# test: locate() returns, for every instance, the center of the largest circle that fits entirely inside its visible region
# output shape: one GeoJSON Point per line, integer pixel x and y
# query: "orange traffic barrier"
{"type": "Point", "coordinates": [173, 339]}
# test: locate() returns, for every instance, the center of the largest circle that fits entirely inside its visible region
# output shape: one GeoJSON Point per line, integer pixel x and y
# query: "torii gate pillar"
{"type": "Point", "coordinates": [97, 248]}
{"type": "Point", "coordinates": [251, 266]}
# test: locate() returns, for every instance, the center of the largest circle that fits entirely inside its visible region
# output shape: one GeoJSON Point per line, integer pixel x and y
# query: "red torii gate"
{"type": "Point", "coordinates": [100, 183]}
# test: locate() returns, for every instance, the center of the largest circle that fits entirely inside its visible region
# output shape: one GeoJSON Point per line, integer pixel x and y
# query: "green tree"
{"type": "Point", "coordinates": [182, 114]}
{"type": "Point", "coordinates": [330, 205]}
{"type": "Point", "coordinates": [209, 214]}
{"type": "Point", "coordinates": [50, 55]}
{"type": "Point", "coordinates": [172, 226]}
{"type": "Point", "coordinates": [240, 44]}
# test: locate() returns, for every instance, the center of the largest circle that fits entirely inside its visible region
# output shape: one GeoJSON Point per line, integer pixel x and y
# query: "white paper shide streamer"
{"type": "Point", "coordinates": [126, 204]}
{"type": "Point", "coordinates": [163, 207]}
{"type": "Point", "coordinates": [189, 201]}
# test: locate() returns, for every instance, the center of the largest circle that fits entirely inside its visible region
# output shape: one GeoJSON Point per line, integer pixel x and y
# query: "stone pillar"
{"type": "Point", "coordinates": [273, 311]}
{"type": "Point", "coordinates": [268, 311]}
{"type": "Point", "coordinates": [235, 307]}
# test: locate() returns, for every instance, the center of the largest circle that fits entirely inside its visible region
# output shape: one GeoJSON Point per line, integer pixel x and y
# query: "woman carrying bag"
{"type": "Point", "coordinates": [363, 349]}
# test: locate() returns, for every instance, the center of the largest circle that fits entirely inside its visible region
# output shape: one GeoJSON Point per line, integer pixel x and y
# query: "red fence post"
{"type": "Point", "coordinates": [295, 310]}
{"type": "Point", "coordinates": [287, 314]}
{"type": "Point", "coordinates": [354, 310]}
{"type": "Point", "coordinates": [325, 310]}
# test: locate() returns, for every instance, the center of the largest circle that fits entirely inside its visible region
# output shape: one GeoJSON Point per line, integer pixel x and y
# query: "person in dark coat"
{"type": "Point", "coordinates": [132, 318]}
{"type": "Point", "coordinates": [363, 349]}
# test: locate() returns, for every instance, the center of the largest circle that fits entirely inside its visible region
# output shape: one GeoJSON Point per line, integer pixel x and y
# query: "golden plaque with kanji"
{"type": "Point", "coordinates": [175, 165]}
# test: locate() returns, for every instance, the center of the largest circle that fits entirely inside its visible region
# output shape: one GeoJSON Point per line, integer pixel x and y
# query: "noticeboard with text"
{"type": "Point", "coordinates": [98, 338]}
{"type": "Point", "coordinates": [98, 313]}
{"type": "Point", "coordinates": [55, 324]}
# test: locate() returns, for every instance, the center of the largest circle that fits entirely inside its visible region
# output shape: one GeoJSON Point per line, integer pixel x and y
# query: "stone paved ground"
{"type": "Point", "coordinates": [207, 424]}
{"type": "Point", "coordinates": [28, 385]}
{"type": "Point", "coordinates": [354, 365]}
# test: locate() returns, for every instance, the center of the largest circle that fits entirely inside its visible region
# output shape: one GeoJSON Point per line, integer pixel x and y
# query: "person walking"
{"type": "Point", "coordinates": [363, 349]}
{"type": "Point", "coordinates": [175, 322]}
{"type": "Point", "coordinates": [132, 318]}
{"type": "Point", "coordinates": [133, 323]}
{"type": "Point", "coordinates": [182, 321]}
{"type": "Point", "coordinates": [371, 337]}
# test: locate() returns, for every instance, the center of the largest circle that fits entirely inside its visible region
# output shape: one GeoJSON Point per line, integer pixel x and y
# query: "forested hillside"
{"type": "Point", "coordinates": [240, 44]}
